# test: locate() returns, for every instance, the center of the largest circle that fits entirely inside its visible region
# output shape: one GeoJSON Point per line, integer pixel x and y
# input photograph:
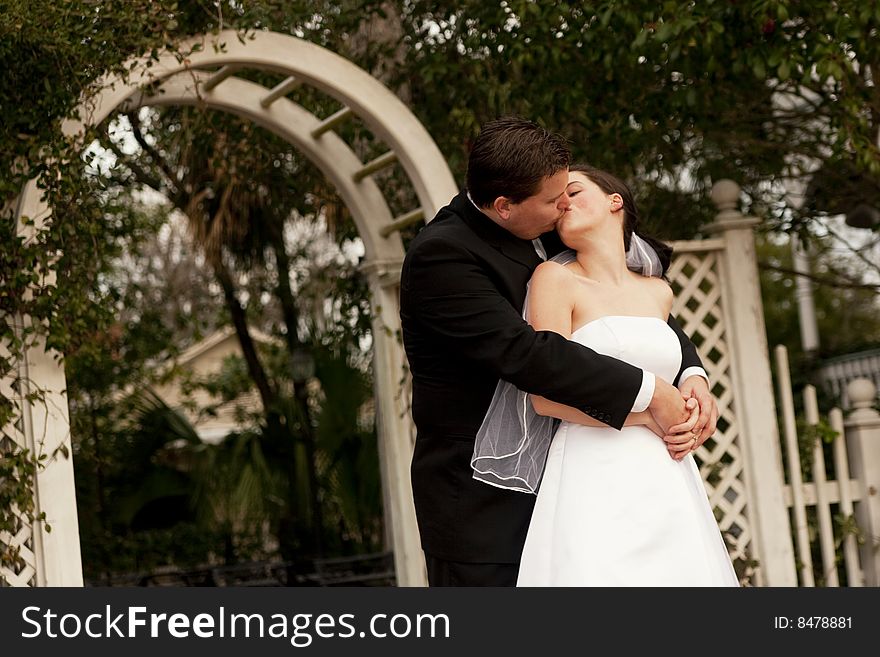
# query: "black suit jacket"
{"type": "Point", "coordinates": [462, 290]}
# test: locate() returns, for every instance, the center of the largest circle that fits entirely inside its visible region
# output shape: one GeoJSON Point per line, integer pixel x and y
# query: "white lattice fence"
{"type": "Point", "coordinates": [17, 546]}
{"type": "Point", "coordinates": [718, 303]}
{"type": "Point", "coordinates": [699, 309]}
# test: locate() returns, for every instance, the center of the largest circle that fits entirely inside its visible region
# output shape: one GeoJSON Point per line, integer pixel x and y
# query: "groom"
{"type": "Point", "coordinates": [463, 286]}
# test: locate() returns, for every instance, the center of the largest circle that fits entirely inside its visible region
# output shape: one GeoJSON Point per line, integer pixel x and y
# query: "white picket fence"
{"type": "Point", "coordinates": [833, 506]}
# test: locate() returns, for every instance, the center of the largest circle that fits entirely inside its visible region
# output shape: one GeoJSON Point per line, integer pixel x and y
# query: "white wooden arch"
{"type": "Point", "coordinates": [207, 78]}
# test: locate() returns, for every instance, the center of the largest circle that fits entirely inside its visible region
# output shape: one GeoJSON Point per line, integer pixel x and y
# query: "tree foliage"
{"type": "Point", "coordinates": [673, 95]}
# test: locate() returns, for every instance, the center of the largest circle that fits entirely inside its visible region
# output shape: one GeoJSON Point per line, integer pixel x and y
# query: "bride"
{"type": "Point", "coordinates": [614, 508]}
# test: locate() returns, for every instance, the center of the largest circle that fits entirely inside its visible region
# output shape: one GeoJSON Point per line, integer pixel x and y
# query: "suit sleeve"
{"type": "Point", "coordinates": [448, 291]}
{"type": "Point", "coordinates": [689, 356]}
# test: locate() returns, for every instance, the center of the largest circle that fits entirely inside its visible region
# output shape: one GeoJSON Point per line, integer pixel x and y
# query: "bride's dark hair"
{"type": "Point", "coordinates": [611, 184]}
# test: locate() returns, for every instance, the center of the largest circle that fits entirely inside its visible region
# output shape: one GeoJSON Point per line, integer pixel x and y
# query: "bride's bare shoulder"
{"type": "Point", "coordinates": [661, 289]}
{"type": "Point", "coordinates": [551, 279]}
{"type": "Point", "coordinates": [551, 272]}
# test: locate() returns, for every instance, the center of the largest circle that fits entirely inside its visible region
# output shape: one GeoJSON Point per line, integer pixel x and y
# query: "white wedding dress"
{"type": "Point", "coordinates": [613, 508]}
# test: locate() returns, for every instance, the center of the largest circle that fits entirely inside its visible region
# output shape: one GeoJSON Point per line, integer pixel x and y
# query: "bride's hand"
{"type": "Point", "coordinates": [651, 423]}
{"type": "Point", "coordinates": [681, 440]}
{"type": "Point", "coordinates": [644, 419]}
{"type": "Point", "coordinates": [693, 408]}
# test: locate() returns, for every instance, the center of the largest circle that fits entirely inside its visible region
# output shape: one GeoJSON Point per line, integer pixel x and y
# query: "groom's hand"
{"type": "Point", "coordinates": [696, 387]}
{"type": "Point", "coordinates": [668, 406]}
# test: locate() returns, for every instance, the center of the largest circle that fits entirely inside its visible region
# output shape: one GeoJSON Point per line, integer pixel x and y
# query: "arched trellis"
{"type": "Point", "coordinates": [207, 78]}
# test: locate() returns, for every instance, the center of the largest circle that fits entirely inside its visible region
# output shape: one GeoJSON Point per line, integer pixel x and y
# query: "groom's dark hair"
{"type": "Point", "coordinates": [510, 157]}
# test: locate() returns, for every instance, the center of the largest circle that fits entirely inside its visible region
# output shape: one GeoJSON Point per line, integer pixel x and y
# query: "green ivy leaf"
{"type": "Point", "coordinates": [663, 32]}
{"type": "Point", "coordinates": [758, 69]}
{"type": "Point", "coordinates": [783, 71]}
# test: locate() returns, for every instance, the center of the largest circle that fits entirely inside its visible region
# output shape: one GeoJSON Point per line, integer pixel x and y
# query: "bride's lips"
{"type": "Point", "coordinates": [559, 219]}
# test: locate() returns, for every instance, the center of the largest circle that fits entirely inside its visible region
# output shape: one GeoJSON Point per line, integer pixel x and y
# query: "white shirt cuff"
{"type": "Point", "coordinates": [646, 392]}
{"type": "Point", "coordinates": [693, 371]}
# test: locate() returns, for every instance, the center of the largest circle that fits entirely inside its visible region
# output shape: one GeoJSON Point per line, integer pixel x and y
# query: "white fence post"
{"type": "Point", "coordinates": [752, 381]}
{"type": "Point", "coordinates": [795, 476]}
{"type": "Point", "coordinates": [854, 574]}
{"type": "Point", "coordinates": [823, 503]}
{"type": "Point", "coordinates": [863, 444]}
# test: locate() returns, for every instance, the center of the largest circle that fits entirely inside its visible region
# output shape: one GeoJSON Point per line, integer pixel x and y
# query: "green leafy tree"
{"type": "Point", "coordinates": [673, 95]}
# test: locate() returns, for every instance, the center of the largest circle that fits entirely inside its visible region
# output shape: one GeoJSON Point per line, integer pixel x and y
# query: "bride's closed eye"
{"type": "Point", "coordinates": [573, 193]}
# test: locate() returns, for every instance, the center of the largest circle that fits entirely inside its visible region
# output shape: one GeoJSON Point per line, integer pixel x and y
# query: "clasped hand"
{"type": "Point", "coordinates": [696, 414]}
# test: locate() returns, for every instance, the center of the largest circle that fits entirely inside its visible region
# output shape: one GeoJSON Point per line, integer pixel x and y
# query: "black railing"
{"type": "Point", "coordinates": [375, 569]}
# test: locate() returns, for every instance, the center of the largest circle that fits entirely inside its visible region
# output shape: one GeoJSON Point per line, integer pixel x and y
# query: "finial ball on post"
{"type": "Point", "coordinates": [861, 393]}
{"type": "Point", "coordinates": [725, 194]}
